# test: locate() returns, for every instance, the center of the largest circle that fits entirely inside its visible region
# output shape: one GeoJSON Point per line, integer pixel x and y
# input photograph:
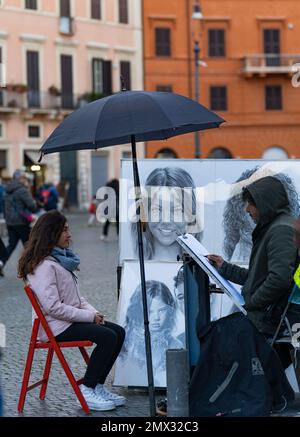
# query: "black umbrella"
{"type": "Point", "coordinates": [130, 117]}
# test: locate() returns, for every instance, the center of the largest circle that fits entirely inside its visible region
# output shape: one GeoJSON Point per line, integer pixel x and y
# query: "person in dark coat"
{"type": "Point", "coordinates": [48, 196]}
{"type": "Point", "coordinates": [18, 206]}
{"type": "Point", "coordinates": [269, 279]}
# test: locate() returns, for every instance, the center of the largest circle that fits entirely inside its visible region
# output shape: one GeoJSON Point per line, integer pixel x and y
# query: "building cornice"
{"type": "Point", "coordinates": [27, 37]}
{"type": "Point", "coordinates": [3, 34]}
{"type": "Point", "coordinates": [97, 45]}
{"type": "Point", "coordinates": [124, 49]}
{"type": "Point", "coordinates": [65, 43]}
{"type": "Point", "coordinates": [271, 18]}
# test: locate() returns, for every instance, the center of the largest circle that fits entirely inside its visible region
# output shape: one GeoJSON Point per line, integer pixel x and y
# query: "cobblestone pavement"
{"type": "Point", "coordinates": [98, 284]}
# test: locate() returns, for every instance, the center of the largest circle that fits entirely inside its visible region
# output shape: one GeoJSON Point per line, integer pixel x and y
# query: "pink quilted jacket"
{"type": "Point", "coordinates": [59, 297]}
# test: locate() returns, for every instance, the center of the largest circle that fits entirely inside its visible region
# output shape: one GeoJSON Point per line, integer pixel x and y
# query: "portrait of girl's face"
{"type": "Point", "coordinates": [159, 315]}
{"type": "Point", "coordinates": [166, 217]}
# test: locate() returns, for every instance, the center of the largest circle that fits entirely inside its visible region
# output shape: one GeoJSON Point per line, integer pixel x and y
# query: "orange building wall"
{"type": "Point", "coordinates": [250, 129]}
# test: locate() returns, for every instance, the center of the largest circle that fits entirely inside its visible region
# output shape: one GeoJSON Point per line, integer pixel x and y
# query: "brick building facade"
{"type": "Point", "coordinates": [247, 53]}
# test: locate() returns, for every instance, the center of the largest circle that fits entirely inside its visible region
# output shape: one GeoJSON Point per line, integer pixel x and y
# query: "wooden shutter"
{"type": "Point", "coordinates": [125, 69]}
{"type": "Point", "coordinates": [216, 41]}
{"type": "Point", "coordinates": [1, 78]}
{"type": "Point", "coordinates": [107, 78]}
{"type": "Point", "coordinates": [31, 4]}
{"type": "Point", "coordinates": [123, 11]}
{"type": "Point", "coordinates": [97, 75]}
{"type": "Point", "coordinates": [163, 41]}
{"type": "Point", "coordinates": [65, 8]}
{"type": "Point", "coordinates": [96, 9]}
{"type": "Point", "coordinates": [67, 81]}
{"type": "Point", "coordinates": [33, 79]}
{"type": "Point", "coordinates": [272, 46]}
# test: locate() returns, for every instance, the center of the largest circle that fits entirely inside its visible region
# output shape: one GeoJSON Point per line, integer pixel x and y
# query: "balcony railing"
{"type": "Point", "coordinates": [38, 101]}
{"type": "Point", "coordinates": [263, 64]}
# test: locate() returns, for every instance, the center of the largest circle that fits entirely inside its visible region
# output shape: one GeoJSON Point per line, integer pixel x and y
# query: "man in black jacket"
{"type": "Point", "coordinates": [268, 280]}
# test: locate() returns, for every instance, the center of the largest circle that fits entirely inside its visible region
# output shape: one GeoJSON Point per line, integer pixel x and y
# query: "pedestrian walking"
{"type": "Point", "coordinates": [48, 196]}
{"type": "Point", "coordinates": [18, 208]}
{"type": "Point", "coordinates": [92, 211]}
{"type": "Point", "coordinates": [49, 267]}
{"type": "Point", "coordinates": [3, 256]}
{"type": "Point", "coordinates": [2, 194]}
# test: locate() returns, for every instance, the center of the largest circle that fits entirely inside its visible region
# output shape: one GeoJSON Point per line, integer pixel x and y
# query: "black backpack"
{"type": "Point", "coordinates": [238, 373]}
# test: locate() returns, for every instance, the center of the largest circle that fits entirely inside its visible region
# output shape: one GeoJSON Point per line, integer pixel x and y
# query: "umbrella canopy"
{"type": "Point", "coordinates": [114, 119]}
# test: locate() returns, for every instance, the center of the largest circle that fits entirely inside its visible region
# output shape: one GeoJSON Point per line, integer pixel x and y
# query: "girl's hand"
{"type": "Point", "coordinates": [99, 319]}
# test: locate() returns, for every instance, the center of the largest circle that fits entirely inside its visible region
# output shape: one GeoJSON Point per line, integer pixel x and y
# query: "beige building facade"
{"type": "Point", "coordinates": [57, 55]}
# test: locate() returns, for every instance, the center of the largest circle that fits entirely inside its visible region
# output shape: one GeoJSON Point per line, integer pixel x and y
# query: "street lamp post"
{"type": "Point", "coordinates": [197, 15]}
{"type": "Point", "coordinates": [197, 135]}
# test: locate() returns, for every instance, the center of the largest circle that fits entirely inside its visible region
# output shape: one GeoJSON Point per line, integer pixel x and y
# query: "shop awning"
{"type": "Point", "coordinates": [32, 155]}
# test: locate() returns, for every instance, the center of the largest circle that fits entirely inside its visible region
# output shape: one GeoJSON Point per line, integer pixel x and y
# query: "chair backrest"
{"type": "Point", "coordinates": [38, 311]}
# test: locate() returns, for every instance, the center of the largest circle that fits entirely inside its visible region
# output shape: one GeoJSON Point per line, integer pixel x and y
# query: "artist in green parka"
{"type": "Point", "coordinates": [269, 279]}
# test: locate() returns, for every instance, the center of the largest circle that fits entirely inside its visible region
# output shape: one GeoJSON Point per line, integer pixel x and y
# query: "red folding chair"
{"type": "Point", "coordinates": [53, 346]}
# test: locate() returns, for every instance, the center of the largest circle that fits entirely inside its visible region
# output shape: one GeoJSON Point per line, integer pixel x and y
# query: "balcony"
{"type": "Point", "coordinates": [39, 102]}
{"type": "Point", "coordinates": [265, 64]}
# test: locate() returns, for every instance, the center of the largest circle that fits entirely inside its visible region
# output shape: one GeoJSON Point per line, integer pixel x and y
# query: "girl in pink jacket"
{"type": "Point", "coordinates": [49, 267]}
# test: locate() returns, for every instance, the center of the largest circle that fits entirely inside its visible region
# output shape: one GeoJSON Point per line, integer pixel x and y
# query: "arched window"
{"type": "Point", "coordinates": [166, 154]}
{"type": "Point", "coordinates": [275, 152]}
{"type": "Point", "coordinates": [220, 153]}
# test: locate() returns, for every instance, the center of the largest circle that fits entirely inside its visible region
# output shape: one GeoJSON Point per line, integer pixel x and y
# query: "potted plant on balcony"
{"type": "Point", "coordinates": [17, 87]}
{"type": "Point", "coordinates": [90, 97]}
{"type": "Point", "coordinates": [20, 88]}
{"type": "Point", "coordinates": [54, 91]}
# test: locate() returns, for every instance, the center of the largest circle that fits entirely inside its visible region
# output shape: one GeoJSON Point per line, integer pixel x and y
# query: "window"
{"type": "Point", "coordinates": [66, 71]}
{"type": "Point", "coordinates": [273, 97]}
{"type": "Point", "coordinates": [3, 157]}
{"type": "Point", "coordinates": [96, 9]}
{"type": "Point", "coordinates": [123, 11]}
{"type": "Point", "coordinates": [216, 42]}
{"type": "Point", "coordinates": [97, 76]}
{"type": "Point", "coordinates": [166, 154]}
{"type": "Point", "coordinates": [220, 153]}
{"type": "Point", "coordinates": [34, 131]}
{"type": "Point", "coordinates": [126, 154]}
{"type": "Point", "coordinates": [275, 152]}
{"type": "Point", "coordinates": [65, 8]}
{"type": "Point", "coordinates": [218, 98]}
{"type": "Point", "coordinates": [65, 22]}
{"type": "Point", "coordinates": [272, 47]}
{"type": "Point", "coordinates": [31, 4]}
{"type": "Point", "coordinates": [162, 41]}
{"type": "Point", "coordinates": [33, 79]}
{"type": "Point", "coordinates": [164, 88]}
{"type": "Point", "coordinates": [101, 76]}
{"type": "Point", "coordinates": [2, 77]}
{"type": "Point", "coordinates": [125, 70]}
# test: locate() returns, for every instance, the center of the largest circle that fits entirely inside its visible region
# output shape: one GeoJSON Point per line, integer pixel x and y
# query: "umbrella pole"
{"type": "Point", "coordinates": [138, 197]}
